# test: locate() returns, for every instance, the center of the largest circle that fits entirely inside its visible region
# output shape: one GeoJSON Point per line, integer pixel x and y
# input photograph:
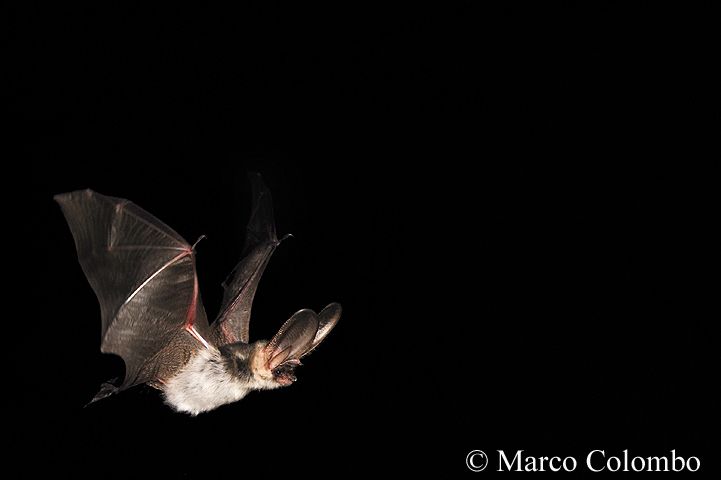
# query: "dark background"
{"type": "Point", "coordinates": [506, 201]}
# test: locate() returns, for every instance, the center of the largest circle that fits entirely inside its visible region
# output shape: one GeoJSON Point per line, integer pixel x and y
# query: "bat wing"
{"type": "Point", "coordinates": [232, 325]}
{"type": "Point", "coordinates": [143, 274]}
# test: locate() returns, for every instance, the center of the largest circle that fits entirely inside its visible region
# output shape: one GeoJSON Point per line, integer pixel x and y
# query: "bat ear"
{"type": "Point", "coordinates": [293, 339]}
{"type": "Point", "coordinates": [327, 319]}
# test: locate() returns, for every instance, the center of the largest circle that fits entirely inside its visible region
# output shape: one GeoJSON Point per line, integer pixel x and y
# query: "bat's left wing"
{"type": "Point", "coordinates": [143, 274]}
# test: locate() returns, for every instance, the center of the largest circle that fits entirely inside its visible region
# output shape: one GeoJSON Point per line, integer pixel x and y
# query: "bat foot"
{"type": "Point", "coordinates": [106, 389]}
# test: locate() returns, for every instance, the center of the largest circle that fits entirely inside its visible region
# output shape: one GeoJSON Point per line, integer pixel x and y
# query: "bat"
{"type": "Point", "coordinates": [143, 274]}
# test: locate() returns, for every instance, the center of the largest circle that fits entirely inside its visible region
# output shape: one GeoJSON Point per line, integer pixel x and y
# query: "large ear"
{"type": "Point", "coordinates": [327, 319]}
{"type": "Point", "coordinates": [293, 339]}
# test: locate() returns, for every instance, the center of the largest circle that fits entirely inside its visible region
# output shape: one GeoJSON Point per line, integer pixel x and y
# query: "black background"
{"type": "Point", "coordinates": [506, 201]}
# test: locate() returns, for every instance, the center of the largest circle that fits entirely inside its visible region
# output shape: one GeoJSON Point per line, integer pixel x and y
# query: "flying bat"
{"type": "Point", "coordinates": [144, 276]}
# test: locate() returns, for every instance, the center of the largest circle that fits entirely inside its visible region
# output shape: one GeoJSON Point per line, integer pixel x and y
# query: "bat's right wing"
{"type": "Point", "coordinates": [232, 325]}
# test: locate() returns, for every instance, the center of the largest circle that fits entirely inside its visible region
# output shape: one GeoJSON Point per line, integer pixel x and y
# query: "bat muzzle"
{"type": "Point", "coordinates": [284, 374]}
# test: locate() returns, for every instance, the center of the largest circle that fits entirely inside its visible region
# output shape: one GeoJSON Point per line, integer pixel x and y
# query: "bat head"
{"type": "Point", "coordinates": [298, 336]}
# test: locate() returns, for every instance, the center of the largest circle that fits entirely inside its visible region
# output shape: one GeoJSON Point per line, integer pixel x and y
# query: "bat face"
{"type": "Point", "coordinates": [250, 364]}
{"type": "Point", "coordinates": [285, 373]}
{"type": "Point", "coordinates": [275, 361]}
{"type": "Point", "coordinates": [263, 375]}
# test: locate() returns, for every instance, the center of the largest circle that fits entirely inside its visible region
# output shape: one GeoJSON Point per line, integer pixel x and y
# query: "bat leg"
{"type": "Point", "coordinates": [157, 384]}
{"type": "Point", "coordinates": [194, 333]}
{"type": "Point", "coordinates": [106, 389]}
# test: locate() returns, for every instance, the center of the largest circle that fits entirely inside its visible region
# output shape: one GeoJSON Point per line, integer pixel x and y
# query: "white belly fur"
{"type": "Point", "coordinates": [203, 385]}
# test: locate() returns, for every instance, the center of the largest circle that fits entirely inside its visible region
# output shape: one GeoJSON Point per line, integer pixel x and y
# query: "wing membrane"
{"type": "Point", "coordinates": [143, 274]}
{"type": "Point", "coordinates": [232, 325]}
